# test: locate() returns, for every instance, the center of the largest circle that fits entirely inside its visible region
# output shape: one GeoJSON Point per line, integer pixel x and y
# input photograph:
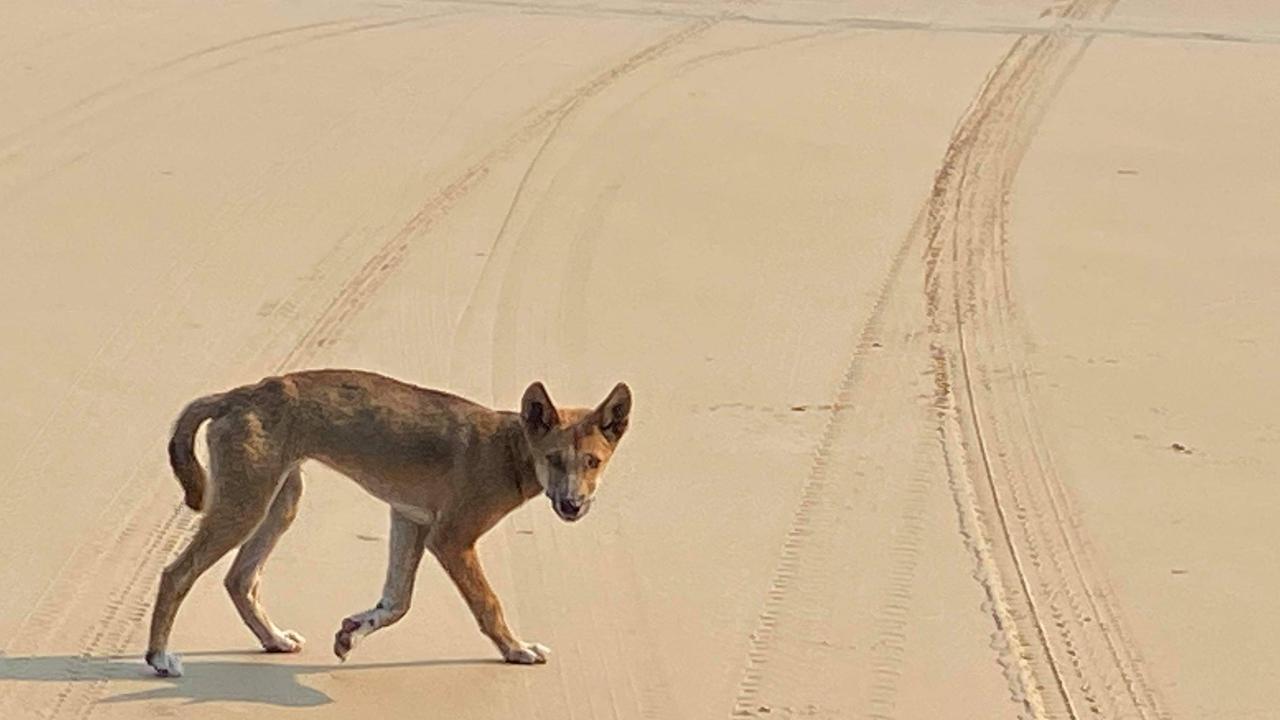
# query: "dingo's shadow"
{"type": "Point", "coordinates": [205, 679]}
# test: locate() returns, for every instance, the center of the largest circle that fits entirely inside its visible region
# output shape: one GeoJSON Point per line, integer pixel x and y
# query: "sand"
{"type": "Point", "coordinates": [950, 325]}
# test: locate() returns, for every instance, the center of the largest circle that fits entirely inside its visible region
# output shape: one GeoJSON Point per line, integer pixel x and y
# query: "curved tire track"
{"type": "Point", "coordinates": [1062, 641]}
{"type": "Point", "coordinates": [1058, 639]}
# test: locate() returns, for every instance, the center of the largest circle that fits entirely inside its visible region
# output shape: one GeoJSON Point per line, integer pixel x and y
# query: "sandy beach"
{"type": "Point", "coordinates": [951, 328]}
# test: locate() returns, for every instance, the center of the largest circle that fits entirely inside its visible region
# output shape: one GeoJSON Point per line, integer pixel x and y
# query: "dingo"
{"type": "Point", "coordinates": [449, 468]}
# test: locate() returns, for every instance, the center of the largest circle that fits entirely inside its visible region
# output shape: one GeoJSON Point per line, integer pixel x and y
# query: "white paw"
{"type": "Point", "coordinates": [528, 654]}
{"type": "Point", "coordinates": [165, 664]}
{"type": "Point", "coordinates": [287, 641]}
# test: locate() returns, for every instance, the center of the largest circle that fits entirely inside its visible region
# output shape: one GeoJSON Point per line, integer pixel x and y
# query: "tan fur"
{"type": "Point", "coordinates": [450, 470]}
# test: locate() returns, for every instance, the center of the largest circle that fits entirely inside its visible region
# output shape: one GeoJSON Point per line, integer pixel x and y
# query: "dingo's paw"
{"type": "Point", "coordinates": [165, 664]}
{"type": "Point", "coordinates": [528, 654]}
{"type": "Point", "coordinates": [345, 639]}
{"type": "Point", "coordinates": [287, 641]}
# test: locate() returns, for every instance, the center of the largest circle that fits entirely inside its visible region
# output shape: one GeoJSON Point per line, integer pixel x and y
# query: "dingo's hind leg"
{"type": "Point", "coordinates": [245, 479]}
{"type": "Point", "coordinates": [245, 576]}
{"type": "Point", "coordinates": [408, 538]}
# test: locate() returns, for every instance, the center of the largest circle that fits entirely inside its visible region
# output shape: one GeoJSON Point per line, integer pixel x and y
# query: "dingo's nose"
{"type": "Point", "coordinates": [569, 507]}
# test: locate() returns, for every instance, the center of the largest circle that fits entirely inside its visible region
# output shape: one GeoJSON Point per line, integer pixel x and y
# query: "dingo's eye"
{"type": "Point", "coordinates": [556, 462]}
{"type": "Point", "coordinates": [593, 462]}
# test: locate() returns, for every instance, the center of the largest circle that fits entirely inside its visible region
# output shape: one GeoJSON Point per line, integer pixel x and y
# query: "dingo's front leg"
{"type": "Point", "coordinates": [404, 553]}
{"type": "Point", "coordinates": [464, 569]}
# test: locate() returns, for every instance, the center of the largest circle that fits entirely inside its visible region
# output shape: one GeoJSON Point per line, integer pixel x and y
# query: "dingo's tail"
{"type": "Point", "coordinates": [182, 456]}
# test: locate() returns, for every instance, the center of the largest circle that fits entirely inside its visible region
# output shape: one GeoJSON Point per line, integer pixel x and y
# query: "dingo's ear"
{"type": "Point", "coordinates": [613, 413]}
{"type": "Point", "coordinates": [536, 410]}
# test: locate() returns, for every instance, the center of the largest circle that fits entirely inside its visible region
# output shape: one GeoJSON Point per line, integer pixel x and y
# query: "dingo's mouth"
{"type": "Point", "coordinates": [570, 510]}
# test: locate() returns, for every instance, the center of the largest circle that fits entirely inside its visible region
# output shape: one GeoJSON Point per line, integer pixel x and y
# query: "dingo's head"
{"type": "Point", "coordinates": [571, 446]}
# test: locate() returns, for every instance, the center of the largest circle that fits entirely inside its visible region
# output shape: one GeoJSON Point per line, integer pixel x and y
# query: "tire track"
{"type": "Point", "coordinates": [1057, 637]}
{"type": "Point", "coordinates": [1065, 652]}
{"type": "Point", "coordinates": [780, 592]}
{"type": "Point", "coordinates": [893, 612]}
